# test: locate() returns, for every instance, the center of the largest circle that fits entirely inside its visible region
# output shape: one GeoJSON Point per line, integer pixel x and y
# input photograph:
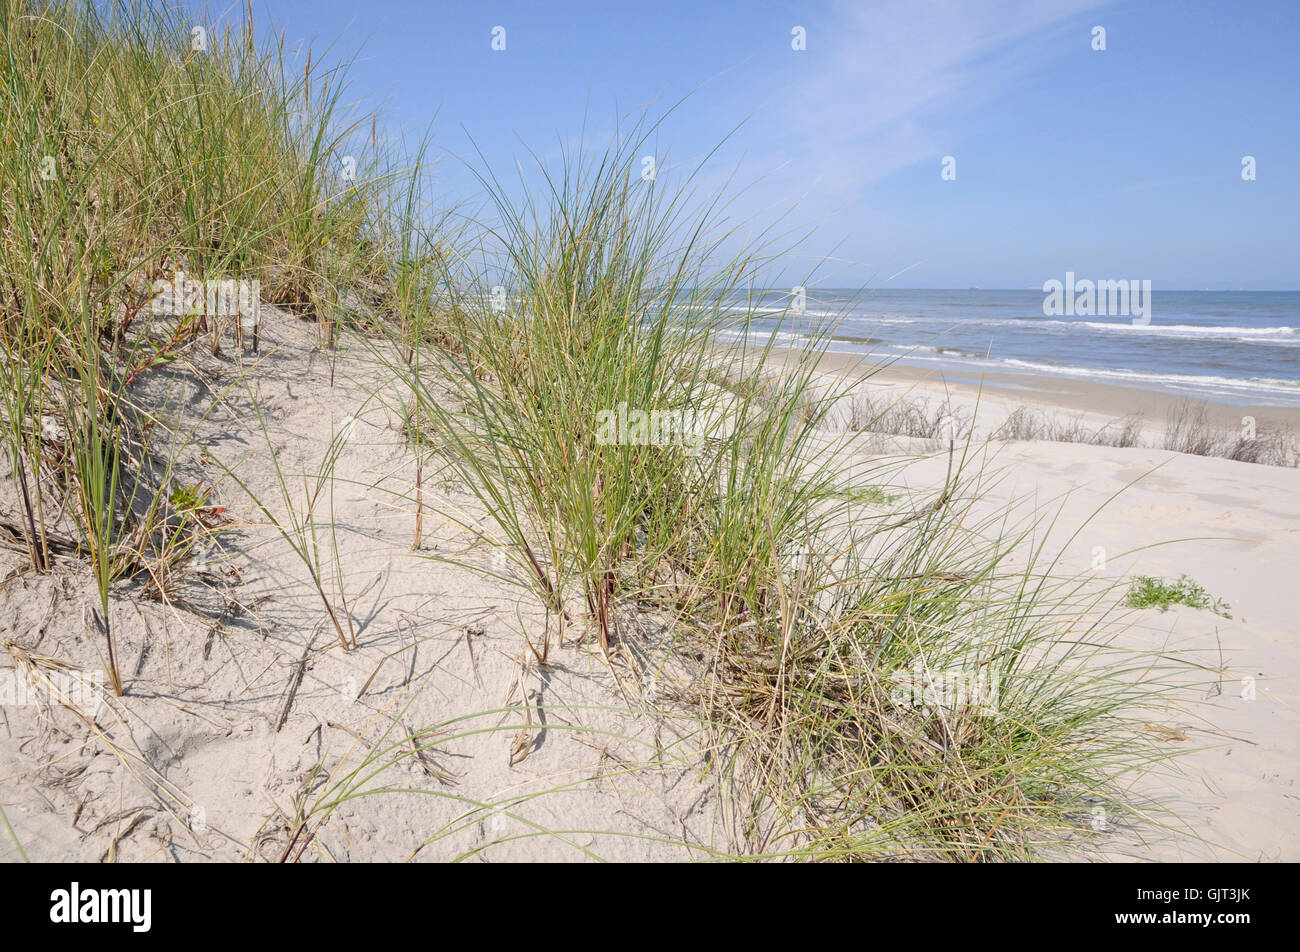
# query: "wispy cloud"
{"type": "Point", "coordinates": [890, 84]}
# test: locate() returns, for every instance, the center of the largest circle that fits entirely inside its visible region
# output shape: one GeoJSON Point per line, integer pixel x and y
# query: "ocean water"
{"type": "Point", "coordinates": [1233, 346]}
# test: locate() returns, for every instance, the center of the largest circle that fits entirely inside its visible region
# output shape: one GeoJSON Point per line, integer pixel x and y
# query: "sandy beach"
{"type": "Point", "coordinates": [1232, 526]}
{"type": "Point", "coordinates": [501, 482]}
{"type": "Point", "coordinates": [239, 708]}
{"type": "Point", "coordinates": [998, 394]}
{"type": "Point", "coordinates": [242, 709]}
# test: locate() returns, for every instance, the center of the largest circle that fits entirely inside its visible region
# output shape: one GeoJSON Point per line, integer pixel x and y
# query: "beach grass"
{"type": "Point", "coordinates": [143, 147]}
{"type": "Point", "coordinates": [811, 624]}
{"type": "Point", "coordinates": [880, 682]}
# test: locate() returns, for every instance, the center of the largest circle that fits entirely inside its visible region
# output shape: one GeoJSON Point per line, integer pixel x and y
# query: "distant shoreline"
{"type": "Point", "coordinates": [998, 391]}
{"type": "Point", "coordinates": [1240, 349]}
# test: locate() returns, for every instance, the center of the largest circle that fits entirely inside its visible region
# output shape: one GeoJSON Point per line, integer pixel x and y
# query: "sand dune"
{"type": "Point", "coordinates": [243, 717]}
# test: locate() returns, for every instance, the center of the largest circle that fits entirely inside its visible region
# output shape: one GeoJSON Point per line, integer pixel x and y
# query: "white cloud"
{"type": "Point", "coordinates": [890, 84]}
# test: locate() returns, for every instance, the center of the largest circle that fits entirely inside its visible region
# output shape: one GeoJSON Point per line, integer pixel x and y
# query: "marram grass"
{"type": "Point", "coordinates": [877, 680]}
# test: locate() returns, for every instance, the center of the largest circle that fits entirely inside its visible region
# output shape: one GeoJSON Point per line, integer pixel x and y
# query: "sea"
{"type": "Point", "coordinates": [1240, 347]}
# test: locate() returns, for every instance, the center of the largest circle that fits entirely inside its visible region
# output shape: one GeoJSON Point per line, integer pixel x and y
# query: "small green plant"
{"type": "Point", "coordinates": [186, 499]}
{"type": "Point", "coordinates": [869, 495]}
{"type": "Point", "coordinates": [1148, 592]}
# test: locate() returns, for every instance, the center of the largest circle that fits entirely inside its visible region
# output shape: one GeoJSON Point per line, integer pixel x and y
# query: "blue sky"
{"type": "Point", "coordinates": [1124, 163]}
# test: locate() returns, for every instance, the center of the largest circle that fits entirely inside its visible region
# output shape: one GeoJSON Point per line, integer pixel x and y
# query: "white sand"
{"type": "Point", "coordinates": [1241, 526]}
{"type": "Point", "coordinates": [205, 693]}
{"type": "Point", "coordinates": [189, 765]}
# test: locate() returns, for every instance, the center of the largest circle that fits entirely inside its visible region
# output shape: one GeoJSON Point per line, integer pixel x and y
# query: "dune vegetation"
{"type": "Point", "coordinates": [878, 677]}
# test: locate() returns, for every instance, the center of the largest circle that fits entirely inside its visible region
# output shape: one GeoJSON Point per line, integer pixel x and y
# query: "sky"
{"type": "Point", "coordinates": [1117, 163]}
